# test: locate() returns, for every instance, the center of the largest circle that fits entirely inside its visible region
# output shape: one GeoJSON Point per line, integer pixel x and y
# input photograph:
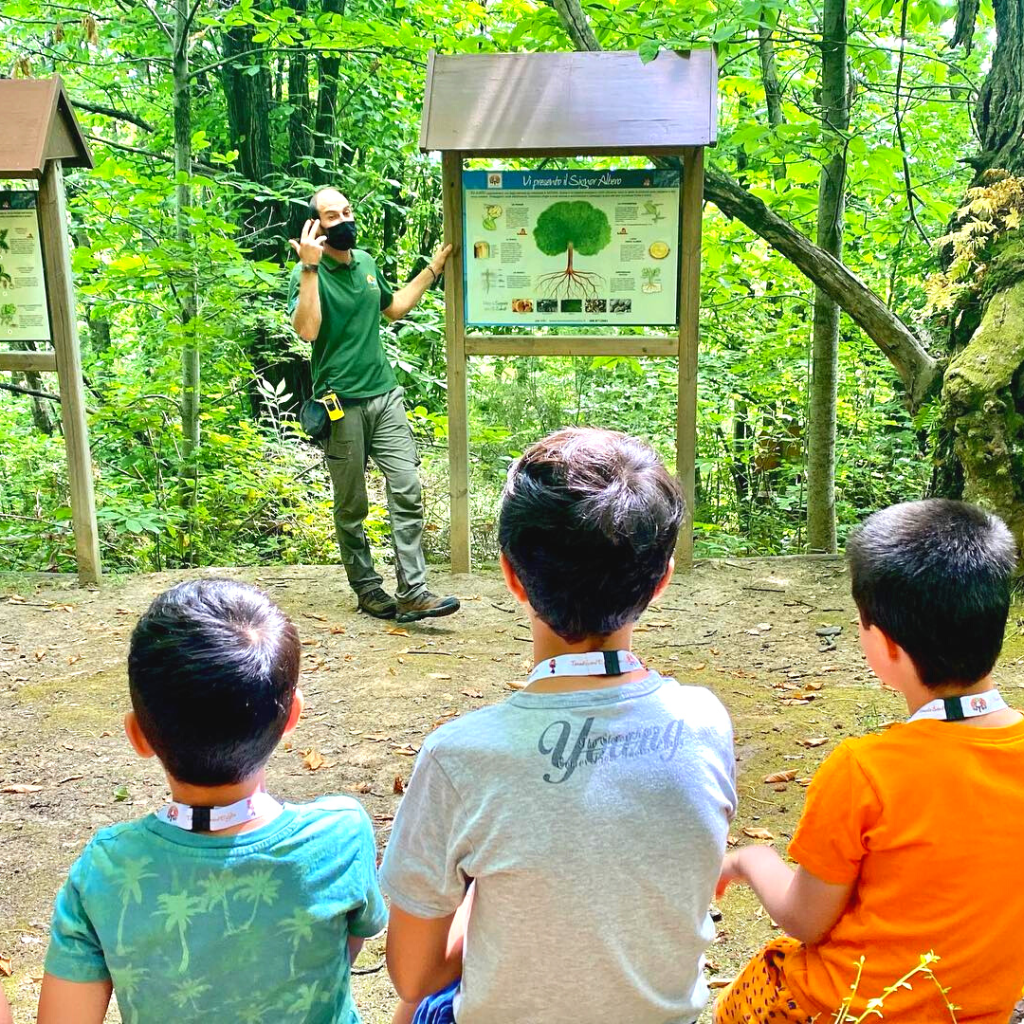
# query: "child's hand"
{"type": "Point", "coordinates": [731, 872]}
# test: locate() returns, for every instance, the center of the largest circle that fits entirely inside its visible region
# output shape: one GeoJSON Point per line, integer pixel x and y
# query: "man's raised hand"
{"type": "Point", "coordinates": [309, 248]}
{"type": "Point", "coordinates": [439, 260]}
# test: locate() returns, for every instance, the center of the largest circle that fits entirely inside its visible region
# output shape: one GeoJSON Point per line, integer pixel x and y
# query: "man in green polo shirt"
{"type": "Point", "coordinates": [335, 297]}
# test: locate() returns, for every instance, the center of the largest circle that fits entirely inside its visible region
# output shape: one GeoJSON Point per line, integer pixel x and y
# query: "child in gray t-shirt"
{"type": "Point", "coordinates": [591, 808]}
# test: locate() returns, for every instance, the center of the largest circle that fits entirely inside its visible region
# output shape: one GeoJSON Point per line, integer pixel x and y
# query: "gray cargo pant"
{"type": "Point", "coordinates": [377, 428]}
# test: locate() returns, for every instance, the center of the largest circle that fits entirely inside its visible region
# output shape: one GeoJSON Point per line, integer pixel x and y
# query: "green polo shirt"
{"type": "Point", "coordinates": [348, 357]}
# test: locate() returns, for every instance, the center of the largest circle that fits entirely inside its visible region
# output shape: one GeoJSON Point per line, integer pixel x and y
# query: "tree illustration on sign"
{"type": "Point", "coordinates": [577, 228]}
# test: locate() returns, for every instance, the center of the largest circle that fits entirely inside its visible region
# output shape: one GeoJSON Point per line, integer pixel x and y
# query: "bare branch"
{"type": "Point", "coordinates": [118, 115]}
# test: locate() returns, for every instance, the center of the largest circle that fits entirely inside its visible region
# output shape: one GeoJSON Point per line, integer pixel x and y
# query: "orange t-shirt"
{"type": "Point", "coordinates": [928, 818]}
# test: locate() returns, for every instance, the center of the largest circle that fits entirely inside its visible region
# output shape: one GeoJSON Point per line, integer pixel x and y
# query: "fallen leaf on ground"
{"type": "Point", "coordinates": [310, 643]}
{"type": "Point", "coordinates": [439, 675]}
{"type": "Point", "coordinates": [469, 692]}
{"type": "Point", "coordinates": [40, 654]}
{"type": "Point", "coordinates": [399, 787]}
{"type": "Point", "coordinates": [398, 632]}
{"type": "Point", "coordinates": [5, 965]}
{"type": "Point", "coordinates": [803, 782]}
{"type": "Point", "coordinates": [792, 702]}
{"type": "Point", "coordinates": [787, 776]}
{"type": "Point", "coordinates": [408, 750]}
{"type": "Point", "coordinates": [72, 658]}
{"type": "Point", "coordinates": [15, 599]}
{"type": "Point", "coordinates": [61, 608]}
{"type": "Point", "coordinates": [758, 833]}
{"type": "Point", "coordinates": [516, 684]}
{"type": "Point", "coordinates": [314, 760]}
{"type": "Point", "coordinates": [699, 667]}
{"type": "Point", "coordinates": [814, 685]}
{"type": "Point", "coordinates": [337, 629]}
{"type": "Point", "coordinates": [121, 794]}
{"type": "Point", "coordinates": [70, 778]}
{"type": "Point", "coordinates": [106, 732]}
{"type": "Point", "coordinates": [21, 787]}
{"type": "Point", "coordinates": [361, 787]}
{"type": "Point", "coordinates": [720, 982]}
{"type": "Point", "coordinates": [378, 738]}
{"type": "Point", "coordinates": [443, 720]}
{"type": "Point", "coordinates": [731, 840]}
{"type": "Point", "coordinates": [813, 741]}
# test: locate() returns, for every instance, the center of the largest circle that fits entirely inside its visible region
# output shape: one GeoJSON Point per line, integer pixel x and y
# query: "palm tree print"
{"type": "Point", "coordinates": [259, 887]}
{"type": "Point", "coordinates": [255, 1014]}
{"type": "Point", "coordinates": [216, 889]}
{"type": "Point", "coordinates": [179, 909]}
{"type": "Point", "coordinates": [132, 875]}
{"type": "Point", "coordinates": [299, 927]}
{"type": "Point", "coordinates": [307, 997]}
{"type": "Point", "coordinates": [188, 991]}
{"type": "Point", "coordinates": [126, 983]}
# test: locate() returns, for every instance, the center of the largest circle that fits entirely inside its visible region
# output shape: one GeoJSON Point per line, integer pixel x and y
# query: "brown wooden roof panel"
{"type": "Point", "coordinates": [36, 125]}
{"type": "Point", "coordinates": [588, 103]}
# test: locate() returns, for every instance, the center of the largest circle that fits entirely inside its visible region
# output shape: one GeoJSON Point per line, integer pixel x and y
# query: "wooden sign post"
{"type": "Point", "coordinates": [553, 105]}
{"type": "Point", "coordinates": [43, 137]}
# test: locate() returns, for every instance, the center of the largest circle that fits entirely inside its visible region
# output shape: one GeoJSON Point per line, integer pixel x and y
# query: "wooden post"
{"type": "Point", "coordinates": [53, 226]}
{"type": "Point", "coordinates": [455, 338]}
{"type": "Point", "coordinates": [691, 202]}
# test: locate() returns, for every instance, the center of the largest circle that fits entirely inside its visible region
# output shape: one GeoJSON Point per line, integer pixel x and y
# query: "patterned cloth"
{"type": "Point", "coordinates": [250, 928]}
{"type": "Point", "coordinates": [760, 992]}
{"type": "Point", "coordinates": [438, 1008]}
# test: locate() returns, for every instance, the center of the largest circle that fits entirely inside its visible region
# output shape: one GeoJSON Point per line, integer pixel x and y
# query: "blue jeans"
{"type": "Point", "coordinates": [437, 1009]}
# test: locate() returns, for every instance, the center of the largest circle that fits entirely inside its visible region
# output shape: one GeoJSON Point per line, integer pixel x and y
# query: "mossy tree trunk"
{"type": "Point", "coordinates": [983, 388]}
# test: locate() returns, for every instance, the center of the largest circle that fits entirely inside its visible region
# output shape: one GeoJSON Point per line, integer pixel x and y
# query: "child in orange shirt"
{"type": "Point", "coordinates": [910, 841]}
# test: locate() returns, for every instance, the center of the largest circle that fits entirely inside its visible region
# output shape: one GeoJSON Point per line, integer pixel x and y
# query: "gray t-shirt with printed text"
{"type": "Point", "coordinates": [594, 824]}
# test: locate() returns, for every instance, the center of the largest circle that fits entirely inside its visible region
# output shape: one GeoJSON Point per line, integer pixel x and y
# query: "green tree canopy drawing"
{"type": "Point", "coordinates": [571, 226]}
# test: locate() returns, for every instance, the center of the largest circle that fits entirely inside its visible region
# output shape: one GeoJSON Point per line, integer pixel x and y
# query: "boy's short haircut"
{"type": "Point", "coordinates": [935, 576]}
{"type": "Point", "coordinates": [212, 670]}
{"type": "Point", "coordinates": [589, 521]}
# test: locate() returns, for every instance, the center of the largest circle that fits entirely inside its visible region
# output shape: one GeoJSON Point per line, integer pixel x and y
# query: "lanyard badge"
{"type": "Point", "coordinates": [215, 819]}
{"type": "Point", "coordinates": [592, 663]}
{"type": "Point", "coordinates": [956, 709]}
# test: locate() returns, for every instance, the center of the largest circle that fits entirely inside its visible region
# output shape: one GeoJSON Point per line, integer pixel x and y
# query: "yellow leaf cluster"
{"type": "Point", "coordinates": [990, 211]}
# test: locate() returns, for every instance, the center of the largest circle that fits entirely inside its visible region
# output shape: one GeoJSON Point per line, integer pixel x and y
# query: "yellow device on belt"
{"type": "Point", "coordinates": [333, 406]}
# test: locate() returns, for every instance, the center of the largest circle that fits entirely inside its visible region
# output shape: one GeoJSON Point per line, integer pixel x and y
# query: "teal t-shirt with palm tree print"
{"type": "Point", "coordinates": [252, 927]}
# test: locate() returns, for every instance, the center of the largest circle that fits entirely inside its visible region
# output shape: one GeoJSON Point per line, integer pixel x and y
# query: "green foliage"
{"type": "Point", "coordinates": [254, 491]}
{"type": "Point", "coordinates": [577, 223]}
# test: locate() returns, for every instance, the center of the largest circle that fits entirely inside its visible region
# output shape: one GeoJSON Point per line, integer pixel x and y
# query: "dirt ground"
{"type": "Point", "coordinates": [761, 633]}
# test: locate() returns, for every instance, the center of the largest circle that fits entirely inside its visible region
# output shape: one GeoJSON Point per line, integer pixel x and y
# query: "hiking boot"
{"type": "Point", "coordinates": [378, 603]}
{"type": "Point", "coordinates": [426, 605]}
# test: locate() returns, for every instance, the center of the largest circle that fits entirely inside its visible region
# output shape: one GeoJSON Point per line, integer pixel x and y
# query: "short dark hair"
{"type": "Point", "coordinates": [935, 576]}
{"type": "Point", "coordinates": [589, 521]}
{"type": "Point", "coordinates": [212, 669]}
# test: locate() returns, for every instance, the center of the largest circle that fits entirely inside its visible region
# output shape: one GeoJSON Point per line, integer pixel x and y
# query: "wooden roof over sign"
{"type": "Point", "coordinates": [37, 125]}
{"type": "Point", "coordinates": [592, 103]}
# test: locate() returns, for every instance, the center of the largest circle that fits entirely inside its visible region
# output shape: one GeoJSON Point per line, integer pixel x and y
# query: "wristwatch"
{"type": "Point", "coordinates": [313, 268]}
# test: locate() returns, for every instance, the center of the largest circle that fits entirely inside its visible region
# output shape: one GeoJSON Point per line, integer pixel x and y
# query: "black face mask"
{"type": "Point", "coordinates": [341, 236]}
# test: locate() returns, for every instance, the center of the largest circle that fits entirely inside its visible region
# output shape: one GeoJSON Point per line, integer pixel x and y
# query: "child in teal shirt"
{"type": "Point", "coordinates": [224, 905]}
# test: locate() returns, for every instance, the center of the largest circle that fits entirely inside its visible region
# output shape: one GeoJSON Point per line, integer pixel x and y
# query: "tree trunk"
{"type": "Point", "coordinates": [187, 291]}
{"type": "Point", "coordinates": [770, 80]}
{"type": "Point", "coordinates": [821, 424]}
{"type": "Point", "coordinates": [1000, 111]}
{"type": "Point", "coordinates": [920, 372]}
{"type": "Point", "coordinates": [325, 142]}
{"type": "Point", "coordinates": [300, 128]}
{"type": "Point", "coordinates": [248, 102]}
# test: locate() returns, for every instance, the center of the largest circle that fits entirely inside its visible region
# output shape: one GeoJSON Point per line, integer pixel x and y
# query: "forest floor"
{"type": "Point", "coordinates": [751, 630]}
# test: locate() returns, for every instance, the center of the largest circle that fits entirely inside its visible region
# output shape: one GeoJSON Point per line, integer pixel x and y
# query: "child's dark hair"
{"type": "Point", "coordinates": [212, 669]}
{"type": "Point", "coordinates": [935, 577]}
{"type": "Point", "coordinates": [589, 521]}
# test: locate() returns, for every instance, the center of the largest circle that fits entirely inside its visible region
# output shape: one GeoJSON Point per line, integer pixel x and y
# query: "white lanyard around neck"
{"type": "Point", "coordinates": [956, 709]}
{"type": "Point", "coordinates": [216, 819]}
{"type": "Point", "coordinates": [592, 663]}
